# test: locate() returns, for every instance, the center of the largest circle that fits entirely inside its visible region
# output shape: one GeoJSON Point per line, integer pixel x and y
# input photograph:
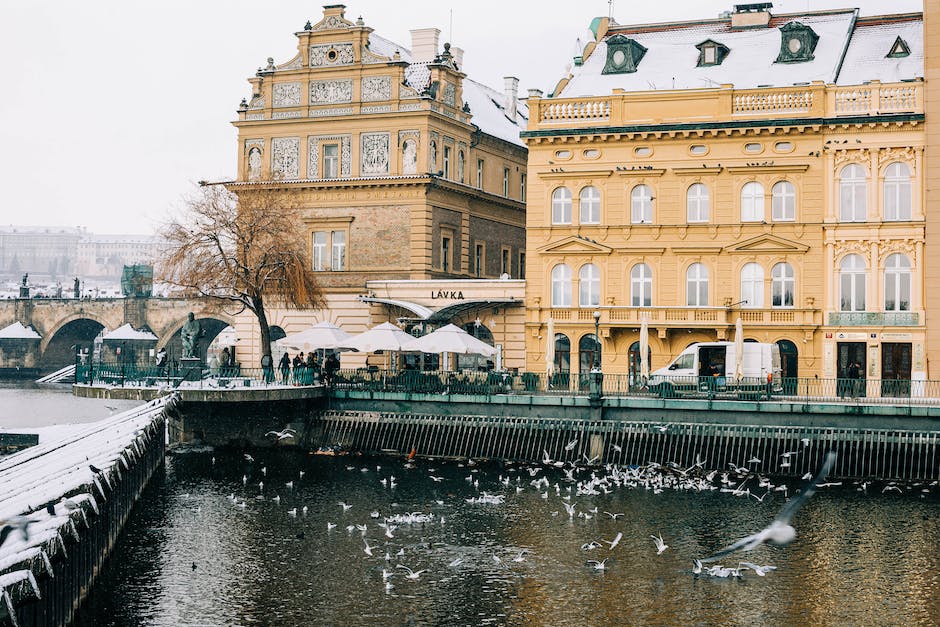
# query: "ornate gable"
{"type": "Point", "coordinates": [766, 244]}
{"type": "Point", "coordinates": [576, 245]}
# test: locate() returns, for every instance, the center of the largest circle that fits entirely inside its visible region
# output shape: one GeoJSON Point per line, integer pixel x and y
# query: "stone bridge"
{"type": "Point", "coordinates": [69, 325]}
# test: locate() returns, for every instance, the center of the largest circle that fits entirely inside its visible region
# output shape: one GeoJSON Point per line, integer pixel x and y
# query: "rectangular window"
{"type": "Point", "coordinates": [445, 254]}
{"type": "Point", "coordinates": [330, 161]}
{"type": "Point", "coordinates": [506, 182]}
{"type": "Point", "coordinates": [478, 259]}
{"type": "Point", "coordinates": [446, 162]}
{"type": "Point", "coordinates": [521, 265]}
{"type": "Point", "coordinates": [504, 262]}
{"type": "Point", "coordinates": [522, 182]}
{"type": "Point", "coordinates": [480, 173]}
{"type": "Point", "coordinates": [709, 55]}
{"type": "Point", "coordinates": [338, 260]}
{"type": "Point", "coordinates": [319, 251]}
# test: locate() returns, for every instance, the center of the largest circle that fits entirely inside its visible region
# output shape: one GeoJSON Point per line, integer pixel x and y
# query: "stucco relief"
{"type": "Point", "coordinates": [325, 55]}
{"type": "Point", "coordinates": [286, 94]}
{"type": "Point", "coordinates": [374, 154]}
{"type": "Point", "coordinates": [285, 157]}
{"type": "Point", "coordinates": [376, 88]}
{"type": "Point", "coordinates": [858, 247]}
{"type": "Point", "coordinates": [257, 102]}
{"type": "Point", "coordinates": [313, 154]}
{"type": "Point", "coordinates": [284, 115]}
{"type": "Point", "coordinates": [376, 109]}
{"type": "Point", "coordinates": [330, 92]}
{"type": "Point", "coordinates": [890, 155]}
{"type": "Point", "coordinates": [861, 156]}
{"type": "Point", "coordinates": [332, 22]}
{"type": "Point", "coordinates": [323, 113]}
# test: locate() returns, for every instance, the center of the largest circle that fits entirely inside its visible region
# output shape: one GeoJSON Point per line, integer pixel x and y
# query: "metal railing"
{"type": "Point", "coordinates": [177, 375]}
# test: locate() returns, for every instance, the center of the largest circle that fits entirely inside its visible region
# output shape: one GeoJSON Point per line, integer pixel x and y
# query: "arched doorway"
{"type": "Point", "coordinates": [74, 338]}
{"type": "Point", "coordinates": [633, 356]}
{"type": "Point", "coordinates": [476, 362]}
{"type": "Point", "coordinates": [589, 356]}
{"type": "Point", "coordinates": [789, 364]}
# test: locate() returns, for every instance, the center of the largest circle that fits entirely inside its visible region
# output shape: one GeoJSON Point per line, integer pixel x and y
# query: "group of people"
{"type": "Point", "coordinates": [307, 370]}
{"type": "Point", "coordinates": [851, 385]}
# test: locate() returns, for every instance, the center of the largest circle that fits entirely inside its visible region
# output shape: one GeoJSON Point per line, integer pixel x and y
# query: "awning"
{"type": "Point", "coordinates": [447, 313]}
{"type": "Point", "coordinates": [420, 311]}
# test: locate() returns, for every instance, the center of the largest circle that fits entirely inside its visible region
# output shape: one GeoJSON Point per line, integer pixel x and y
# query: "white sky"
{"type": "Point", "coordinates": [113, 108]}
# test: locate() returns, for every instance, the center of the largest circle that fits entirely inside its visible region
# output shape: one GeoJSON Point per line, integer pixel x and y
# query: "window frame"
{"type": "Point", "coordinates": [753, 202]}
{"type": "Point", "coordinates": [641, 207]}
{"type": "Point", "coordinates": [853, 280]}
{"type": "Point", "coordinates": [589, 285]}
{"type": "Point", "coordinates": [699, 199]}
{"type": "Point", "coordinates": [782, 285]}
{"type": "Point", "coordinates": [857, 188]}
{"type": "Point", "coordinates": [900, 186]}
{"type": "Point", "coordinates": [752, 286]}
{"type": "Point", "coordinates": [592, 203]}
{"type": "Point", "coordinates": [641, 285]}
{"type": "Point", "coordinates": [701, 284]}
{"type": "Point", "coordinates": [902, 278]}
{"type": "Point", "coordinates": [561, 205]}
{"type": "Point", "coordinates": [561, 285]}
{"type": "Point", "coordinates": [329, 160]}
{"type": "Point", "coordinates": [782, 194]}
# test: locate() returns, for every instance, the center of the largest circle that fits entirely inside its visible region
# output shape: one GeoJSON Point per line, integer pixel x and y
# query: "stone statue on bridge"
{"type": "Point", "coordinates": [189, 335]}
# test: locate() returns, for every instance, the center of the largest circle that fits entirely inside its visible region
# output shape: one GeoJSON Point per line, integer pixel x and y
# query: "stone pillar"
{"type": "Point", "coordinates": [932, 180]}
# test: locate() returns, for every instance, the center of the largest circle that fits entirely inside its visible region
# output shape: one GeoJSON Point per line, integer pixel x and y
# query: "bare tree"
{"type": "Point", "coordinates": [245, 249]}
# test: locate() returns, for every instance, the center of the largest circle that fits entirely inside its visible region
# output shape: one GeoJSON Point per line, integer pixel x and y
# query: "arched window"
{"type": "Point", "coordinates": [783, 201]}
{"type": "Point", "coordinates": [897, 192]}
{"type": "Point", "coordinates": [752, 285]}
{"type": "Point", "coordinates": [897, 283]}
{"type": "Point", "coordinates": [783, 285]}
{"type": "Point", "coordinates": [562, 353]}
{"type": "Point", "coordinates": [852, 283]}
{"type": "Point", "coordinates": [589, 352]}
{"type": "Point", "coordinates": [853, 199]}
{"type": "Point", "coordinates": [641, 205]}
{"type": "Point", "coordinates": [696, 282]}
{"type": "Point", "coordinates": [752, 202]}
{"type": "Point", "coordinates": [561, 286]}
{"type": "Point", "coordinates": [697, 203]}
{"type": "Point", "coordinates": [561, 206]}
{"type": "Point", "coordinates": [641, 286]}
{"type": "Point", "coordinates": [590, 203]}
{"type": "Point", "coordinates": [589, 286]}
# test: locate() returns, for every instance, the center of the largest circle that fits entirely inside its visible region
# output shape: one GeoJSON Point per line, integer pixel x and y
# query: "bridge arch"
{"type": "Point", "coordinates": [212, 324]}
{"type": "Point", "coordinates": [71, 334]}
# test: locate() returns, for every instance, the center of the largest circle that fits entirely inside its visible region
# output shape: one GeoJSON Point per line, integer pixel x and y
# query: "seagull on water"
{"type": "Point", "coordinates": [457, 562]}
{"type": "Point", "coordinates": [345, 507]}
{"type": "Point", "coordinates": [330, 526]}
{"type": "Point", "coordinates": [411, 573]}
{"type": "Point", "coordinates": [249, 458]}
{"type": "Point", "coordinates": [779, 531]}
{"type": "Point", "coordinates": [660, 545]}
{"type": "Point", "coordinates": [760, 570]}
{"type": "Point", "coordinates": [615, 516]}
{"type": "Point", "coordinates": [602, 565]}
{"type": "Point", "coordinates": [569, 507]}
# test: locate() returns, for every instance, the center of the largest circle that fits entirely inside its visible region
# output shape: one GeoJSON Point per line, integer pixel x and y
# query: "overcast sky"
{"type": "Point", "coordinates": [112, 109]}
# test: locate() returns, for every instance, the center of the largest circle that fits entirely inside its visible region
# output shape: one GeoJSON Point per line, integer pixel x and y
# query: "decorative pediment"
{"type": "Point", "coordinates": [766, 244]}
{"type": "Point", "coordinates": [576, 245]}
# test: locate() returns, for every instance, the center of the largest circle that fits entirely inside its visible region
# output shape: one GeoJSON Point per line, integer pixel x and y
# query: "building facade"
{"type": "Point", "coordinates": [407, 170]}
{"type": "Point", "coordinates": [756, 166]}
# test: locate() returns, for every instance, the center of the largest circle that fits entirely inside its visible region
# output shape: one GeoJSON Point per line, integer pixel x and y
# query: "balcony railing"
{"type": "Point", "coordinates": [727, 104]}
{"type": "Point", "coordinates": [690, 316]}
{"type": "Point", "coordinates": [873, 319]}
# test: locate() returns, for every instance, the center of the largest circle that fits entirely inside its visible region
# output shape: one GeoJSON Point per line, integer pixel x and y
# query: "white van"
{"type": "Point", "coordinates": [710, 367]}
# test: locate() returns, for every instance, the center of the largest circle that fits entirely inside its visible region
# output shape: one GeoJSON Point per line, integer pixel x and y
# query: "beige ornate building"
{"type": "Point", "coordinates": [768, 167]}
{"type": "Point", "coordinates": [409, 170]}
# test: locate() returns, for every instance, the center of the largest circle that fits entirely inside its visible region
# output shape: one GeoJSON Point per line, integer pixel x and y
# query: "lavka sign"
{"type": "Point", "coordinates": [448, 294]}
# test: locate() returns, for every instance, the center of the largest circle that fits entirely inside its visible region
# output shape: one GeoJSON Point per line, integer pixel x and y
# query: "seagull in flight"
{"type": "Point", "coordinates": [284, 434]}
{"type": "Point", "coordinates": [368, 549]}
{"type": "Point", "coordinates": [615, 516]}
{"type": "Point", "coordinates": [760, 570]}
{"type": "Point", "coordinates": [411, 573]}
{"type": "Point", "coordinates": [615, 541]}
{"type": "Point", "coordinates": [660, 545]}
{"type": "Point", "coordinates": [570, 445]}
{"type": "Point", "coordinates": [779, 531]}
{"type": "Point", "coordinates": [345, 507]}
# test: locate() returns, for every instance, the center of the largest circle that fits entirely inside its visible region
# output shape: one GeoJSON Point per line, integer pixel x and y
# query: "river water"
{"type": "Point", "coordinates": [191, 555]}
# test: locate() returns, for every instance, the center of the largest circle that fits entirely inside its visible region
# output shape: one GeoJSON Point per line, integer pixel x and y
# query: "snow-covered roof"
{"type": "Point", "coordinates": [488, 108]}
{"type": "Point", "coordinates": [671, 58]}
{"type": "Point", "coordinates": [867, 57]}
{"type": "Point", "coordinates": [17, 331]}
{"type": "Point", "coordinates": [127, 332]}
{"type": "Point", "coordinates": [387, 48]}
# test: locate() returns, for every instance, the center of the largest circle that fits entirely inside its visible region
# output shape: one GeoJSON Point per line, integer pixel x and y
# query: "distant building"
{"type": "Point", "coordinates": [409, 170]}
{"type": "Point", "coordinates": [767, 167]}
{"type": "Point", "coordinates": [104, 256]}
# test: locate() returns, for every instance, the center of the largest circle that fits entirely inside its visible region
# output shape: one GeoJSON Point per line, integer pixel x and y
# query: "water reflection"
{"type": "Point", "coordinates": [856, 556]}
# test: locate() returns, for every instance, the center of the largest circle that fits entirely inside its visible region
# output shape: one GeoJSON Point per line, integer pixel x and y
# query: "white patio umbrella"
{"type": "Point", "coordinates": [381, 337]}
{"type": "Point", "coordinates": [738, 349]}
{"type": "Point", "coordinates": [450, 339]}
{"type": "Point", "coordinates": [321, 335]}
{"type": "Point", "coordinates": [550, 347]}
{"type": "Point", "coordinates": [644, 350]}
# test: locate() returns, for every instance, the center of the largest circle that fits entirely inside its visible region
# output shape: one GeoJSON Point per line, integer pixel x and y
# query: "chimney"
{"type": "Point", "coordinates": [424, 44]}
{"type": "Point", "coordinates": [458, 56]}
{"type": "Point", "coordinates": [334, 10]}
{"type": "Point", "coordinates": [751, 15]}
{"type": "Point", "coordinates": [511, 89]}
{"type": "Point", "coordinates": [535, 93]}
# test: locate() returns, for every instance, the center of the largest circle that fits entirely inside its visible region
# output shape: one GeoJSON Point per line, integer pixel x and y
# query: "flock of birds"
{"type": "Point", "coordinates": [574, 486]}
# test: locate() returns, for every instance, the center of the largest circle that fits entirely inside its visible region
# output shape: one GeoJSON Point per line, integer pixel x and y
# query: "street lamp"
{"type": "Point", "coordinates": [596, 383]}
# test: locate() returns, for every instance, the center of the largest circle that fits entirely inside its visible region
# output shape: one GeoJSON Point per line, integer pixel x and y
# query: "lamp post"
{"type": "Point", "coordinates": [597, 337]}
{"type": "Point", "coordinates": [597, 376]}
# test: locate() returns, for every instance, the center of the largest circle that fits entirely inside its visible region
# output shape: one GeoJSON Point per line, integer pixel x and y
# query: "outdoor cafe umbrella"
{"type": "Point", "coordinates": [450, 339]}
{"type": "Point", "coordinates": [321, 335]}
{"type": "Point", "coordinates": [550, 347]}
{"type": "Point", "coordinates": [644, 350]}
{"type": "Point", "coordinates": [738, 349]}
{"type": "Point", "coordinates": [382, 337]}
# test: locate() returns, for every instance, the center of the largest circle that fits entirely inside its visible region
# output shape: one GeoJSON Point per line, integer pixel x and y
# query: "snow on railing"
{"type": "Point", "coordinates": [574, 111]}
{"type": "Point", "coordinates": [49, 490]}
{"type": "Point", "coordinates": [772, 101]}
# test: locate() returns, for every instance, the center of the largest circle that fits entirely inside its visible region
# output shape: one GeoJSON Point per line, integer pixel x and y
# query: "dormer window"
{"type": "Point", "coordinates": [797, 43]}
{"type": "Point", "coordinates": [623, 55]}
{"type": "Point", "coordinates": [711, 53]}
{"type": "Point", "coordinates": [899, 49]}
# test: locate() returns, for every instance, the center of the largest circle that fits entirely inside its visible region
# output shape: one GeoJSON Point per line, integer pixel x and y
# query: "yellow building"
{"type": "Point", "coordinates": [767, 167]}
{"type": "Point", "coordinates": [409, 171]}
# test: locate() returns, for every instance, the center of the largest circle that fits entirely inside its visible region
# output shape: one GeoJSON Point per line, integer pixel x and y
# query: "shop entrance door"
{"type": "Point", "coordinates": [851, 369]}
{"type": "Point", "coordinates": [895, 369]}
